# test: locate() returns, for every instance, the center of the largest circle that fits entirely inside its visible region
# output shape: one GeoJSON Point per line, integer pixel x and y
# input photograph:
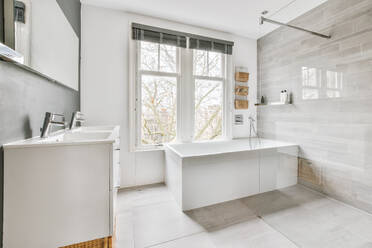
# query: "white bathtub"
{"type": "Point", "coordinates": [206, 173]}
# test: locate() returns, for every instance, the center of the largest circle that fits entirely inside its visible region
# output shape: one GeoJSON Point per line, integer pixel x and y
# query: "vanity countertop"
{"type": "Point", "coordinates": [78, 136]}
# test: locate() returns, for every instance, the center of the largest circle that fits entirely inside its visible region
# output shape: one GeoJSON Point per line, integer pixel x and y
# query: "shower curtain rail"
{"type": "Point", "coordinates": [263, 19]}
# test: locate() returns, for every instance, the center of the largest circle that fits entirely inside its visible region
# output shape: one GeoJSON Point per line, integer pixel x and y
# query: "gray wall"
{"type": "Point", "coordinates": [331, 82]}
{"type": "Point", "coordinates": [24, 99]}
{"type": "Point", "coordinates": [1, 21]}
{"type": "Point", "coordinates": [72, 10]}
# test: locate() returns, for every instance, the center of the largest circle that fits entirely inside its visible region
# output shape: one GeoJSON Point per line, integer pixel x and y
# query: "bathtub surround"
{"type": "Point", "coordinates": [202, 174]}
{"type": "Point", "coordinates": [330, 81]}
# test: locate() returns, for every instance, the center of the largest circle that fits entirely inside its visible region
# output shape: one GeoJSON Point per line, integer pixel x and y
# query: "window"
{"type": "Point", "coordinates": [158, 77]}
{"type": "Point", "coordinates": [209, 83]}
{"type": "Point", "coordinates": [179, 87]}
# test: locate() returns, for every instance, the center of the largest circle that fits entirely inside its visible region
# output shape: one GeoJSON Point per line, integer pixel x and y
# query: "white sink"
{"type": "Point", "coordinates": [97, 128]}
{"type": "Point", "coordinates": [105, 134]}
{"type": "Point", "coordinates": [80, 136]}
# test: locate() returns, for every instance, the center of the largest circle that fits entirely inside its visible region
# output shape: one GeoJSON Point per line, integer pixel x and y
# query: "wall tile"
{"type": "Point", "coordinates": [330, 81]}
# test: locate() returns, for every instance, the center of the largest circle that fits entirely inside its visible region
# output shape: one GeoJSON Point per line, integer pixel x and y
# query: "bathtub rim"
{"type": "Point", "coordinates": [276, 144]}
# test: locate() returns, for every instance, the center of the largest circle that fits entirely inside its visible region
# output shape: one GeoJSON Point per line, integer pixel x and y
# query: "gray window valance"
{"type": "Point", "coordinates": [170, 37]}
{"type": "Point", "coordinates": [209, 44]}
{"type": "Point", "coordinates": [158, 35]}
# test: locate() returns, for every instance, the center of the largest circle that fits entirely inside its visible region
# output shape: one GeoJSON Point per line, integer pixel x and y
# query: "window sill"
{"type": "Point", "coordinates": [148, 148]}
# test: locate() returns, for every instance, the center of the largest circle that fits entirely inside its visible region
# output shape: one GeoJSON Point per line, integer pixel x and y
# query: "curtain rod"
{"type": "Point", "coordinates": [263, 19]}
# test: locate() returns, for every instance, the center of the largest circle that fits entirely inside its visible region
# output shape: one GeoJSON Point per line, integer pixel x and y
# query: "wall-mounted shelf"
{"type": "Point", "coordinates": [273, 104]}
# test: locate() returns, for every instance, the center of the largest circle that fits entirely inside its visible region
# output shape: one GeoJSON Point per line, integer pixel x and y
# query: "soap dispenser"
{"type": "Point", "coordinates": [285, 96]}
{"type": "Point", "coordinates": [282, 96]}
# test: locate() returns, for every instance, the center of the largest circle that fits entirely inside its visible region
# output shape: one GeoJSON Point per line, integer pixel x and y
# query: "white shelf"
{"type": "Point", "coordinates": [273, 104]}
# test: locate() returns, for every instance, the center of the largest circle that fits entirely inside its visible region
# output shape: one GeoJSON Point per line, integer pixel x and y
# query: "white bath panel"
{"type": "Point", "coordinates": [203, 174]}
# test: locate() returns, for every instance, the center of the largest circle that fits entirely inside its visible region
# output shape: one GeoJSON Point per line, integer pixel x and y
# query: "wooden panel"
{"type": "Point", "coordinates": [242, 77]}
{"type": "Point", "coordinates": [241, 90]}
{"type": "Point", "coordinates": [241, 104]}
{"type": "Point", "coordinates": [97, 243]}
{"type": "Point", "coordinates": [309, 172]}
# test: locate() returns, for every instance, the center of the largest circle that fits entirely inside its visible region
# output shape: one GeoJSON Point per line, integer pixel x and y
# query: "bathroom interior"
{"type": "Point", "coordinates": [186, 124]}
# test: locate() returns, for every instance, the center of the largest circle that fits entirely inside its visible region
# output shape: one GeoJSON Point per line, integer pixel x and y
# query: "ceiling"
{"type": "Point", "coordinates": [233, 16]}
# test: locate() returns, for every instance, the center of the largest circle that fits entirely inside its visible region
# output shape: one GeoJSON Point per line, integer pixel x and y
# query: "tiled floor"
{"type": "Point", "coordinates": [292, 217]}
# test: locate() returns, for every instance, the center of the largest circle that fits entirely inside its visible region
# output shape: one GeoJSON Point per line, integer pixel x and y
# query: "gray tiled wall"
{"type": "Point", "coordinates": [331, 85]}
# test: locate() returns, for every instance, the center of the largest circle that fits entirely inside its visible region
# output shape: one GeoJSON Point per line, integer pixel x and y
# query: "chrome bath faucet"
{"type": "Point", "coordinates": [77, 117]}
{"type": "Point", "coordinates": [49, 120]}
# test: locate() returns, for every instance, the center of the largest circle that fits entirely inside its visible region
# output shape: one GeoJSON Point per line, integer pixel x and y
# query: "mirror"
{"type": "Point", "coordinates": [44, 36]}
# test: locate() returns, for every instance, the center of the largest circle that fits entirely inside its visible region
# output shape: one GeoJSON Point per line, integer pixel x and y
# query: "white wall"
{"type": "Point", "coordinates": [245, 54]}
{"type": "Point", "coordinates": [54, 44]}
{"type": "Point", "coordinates": [105, 75]}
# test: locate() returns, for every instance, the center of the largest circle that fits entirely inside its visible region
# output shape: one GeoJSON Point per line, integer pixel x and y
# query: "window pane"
{"type": "Point", "coordinates": [168, 58]}
{"type": "Point", "coordinates": [208, 109]}
{"type": "Point", "coordinates": [200, 63]}
{"type": "Point", "coordinates": [215, 64]}
{"type": "Point", "coordinates": [207, 64]}
{"type": "Point", "coordinates": [159, 105]}
{"type": "Point", "coordinates": [149, 56]}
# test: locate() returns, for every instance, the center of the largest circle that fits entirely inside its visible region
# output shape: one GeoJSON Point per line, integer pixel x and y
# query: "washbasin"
{"type": "Point", "coordinates": [84, 136]}
{"type": "Point", "coordinates": [106, 134]}
{"type": "Point", "coordinates": [78, 136]}
{"type": "Point", "coordinates": [97, 128]}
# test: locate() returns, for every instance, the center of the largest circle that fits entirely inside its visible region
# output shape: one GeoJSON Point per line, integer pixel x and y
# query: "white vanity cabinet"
{"type": "Point", "coordinates": [60, 191]}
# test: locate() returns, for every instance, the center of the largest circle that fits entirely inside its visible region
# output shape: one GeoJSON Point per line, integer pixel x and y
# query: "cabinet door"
{"type": "Point", "coordinates": [56, 196]}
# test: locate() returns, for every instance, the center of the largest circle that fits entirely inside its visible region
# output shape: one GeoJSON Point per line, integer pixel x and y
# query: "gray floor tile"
{"type": "Point", "coordinates": [291, 217]}
{"type": "Point", "coordinates": [200, 240]}
{"type": "Point", "coordinates": [158, 223]}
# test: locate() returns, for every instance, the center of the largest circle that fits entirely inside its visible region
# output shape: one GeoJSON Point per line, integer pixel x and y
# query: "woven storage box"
{"type": "Point", "coordinates": [241, 104]}
{"type": "Point", "coordinates": [242, 77]}
{"type": "Point", "coordinates": [241, 90]}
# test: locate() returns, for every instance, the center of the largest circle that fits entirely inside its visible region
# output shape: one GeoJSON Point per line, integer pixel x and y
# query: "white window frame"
{"type": "Point", "coordinates": [223, 79]}
{"type": "Point", "coordinates": [138, 93]}
{"type": "Point", "coordinates": [185, 97]}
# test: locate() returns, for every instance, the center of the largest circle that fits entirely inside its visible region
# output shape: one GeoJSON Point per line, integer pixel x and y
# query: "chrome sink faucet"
{"type": "Point", "coordinates": [49, 120]}
{"type": "Point", "coordinates": [77, 117]}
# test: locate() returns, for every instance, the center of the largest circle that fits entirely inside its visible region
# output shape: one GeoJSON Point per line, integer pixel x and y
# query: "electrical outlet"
{"type": "Point", "coordinates": [239, 120]}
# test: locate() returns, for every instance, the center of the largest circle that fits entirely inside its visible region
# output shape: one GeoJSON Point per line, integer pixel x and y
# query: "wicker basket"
{"type": "Point", "coordinates": [241, 104]}
{"type": "Point", "coordinates": [97, 243]}
{"type": "Point", "coordinates": [242, 77]}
